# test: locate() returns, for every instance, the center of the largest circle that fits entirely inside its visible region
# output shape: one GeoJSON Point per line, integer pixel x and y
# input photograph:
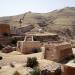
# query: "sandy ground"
{"type": "Point", "coordinates": [17, 57]}
{"type": "Point", "coordinates": [7, 70]}
{"type": "Point", "coordinates": [19, 61]}
{"type": "Point", "coordinates": [43, 64]}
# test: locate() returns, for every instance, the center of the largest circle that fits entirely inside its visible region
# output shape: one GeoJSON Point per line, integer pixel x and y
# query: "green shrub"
{"type": "Point", "coordinates": [32, 62]}
{"type": "Point", "coordinates": [16, 73]}
{"type": "Point", "coordinates": [36, 72]}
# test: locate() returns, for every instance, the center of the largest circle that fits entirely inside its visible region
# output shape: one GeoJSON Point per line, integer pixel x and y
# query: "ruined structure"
{"type": "Point", "coordinates": [42, 37]}
{"type": "Point", "coordinates": [26, 47]}
{"type": "Point", "coordinates": [23, 29]}
{"type": "Point", "coordinates": [58, 51]}
{"type": "Point", "coordinates": [34, 41]}
{"type": "Point", "coordinates": [4, 28]}
{"type": "Point", "coordinates": [4, 31]}
{"type": "Point", "coordinates": [54, 49]}
{"type": "Point", "coordinates": [69, 68]}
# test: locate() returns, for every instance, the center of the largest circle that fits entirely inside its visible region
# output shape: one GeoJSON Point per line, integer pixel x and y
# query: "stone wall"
{"type": "Point", "coordinates": [26, 47]}
{"type": "Point", "coordinates": [4, 28]}
{"type": "Point", "coordinates": [68, 70]}
{"type": "Point", "coordinates": [24, 29]}
{"type": "Point", "coordinates": [46, 38]}
{"type": "Point", "coordinates": [50, 52]}
{"type": "Point", "coordinates": [58, 52]}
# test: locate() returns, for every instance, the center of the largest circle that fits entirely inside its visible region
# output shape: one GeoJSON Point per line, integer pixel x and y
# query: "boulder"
{"type": "Point", "coordinates": [7, 49]}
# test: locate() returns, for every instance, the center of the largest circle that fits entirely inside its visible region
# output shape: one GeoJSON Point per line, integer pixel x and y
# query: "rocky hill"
{"type": "Point", "coordinates": [59, 21]}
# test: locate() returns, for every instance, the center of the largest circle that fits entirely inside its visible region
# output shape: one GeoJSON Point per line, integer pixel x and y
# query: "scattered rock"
{"type": "Point", "coordinates": [7, 49]}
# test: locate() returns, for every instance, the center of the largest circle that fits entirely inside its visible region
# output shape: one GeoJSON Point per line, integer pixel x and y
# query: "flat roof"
{"type": "Point", "coordinates": [24, 26]}
{"type": "Point", "coordinates": [62, 43]}
{"type": "Point", "coordinates": [42, 34]}
{"type": "Point", "coordinates": [4, 24]}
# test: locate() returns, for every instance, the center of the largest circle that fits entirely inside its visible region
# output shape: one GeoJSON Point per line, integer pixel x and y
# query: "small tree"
{"type": "Point", "coordinates": [16, 73]}
{"type": "Point", "coordinates": [32, 62]}
{"type": "Point", "coordinates": [36, 72]}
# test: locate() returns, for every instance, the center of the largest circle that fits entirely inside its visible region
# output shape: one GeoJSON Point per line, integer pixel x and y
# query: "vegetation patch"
{"type": "Point", "coordinates": [32, 62]}
{"type": "Point", "coordinates": [16, 73]}
{"type": "Point", "coordinates": [36, 72]}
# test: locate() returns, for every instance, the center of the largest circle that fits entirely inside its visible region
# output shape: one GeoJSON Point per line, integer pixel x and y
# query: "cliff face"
{"type": "Point", "coordinates": [60, 21]}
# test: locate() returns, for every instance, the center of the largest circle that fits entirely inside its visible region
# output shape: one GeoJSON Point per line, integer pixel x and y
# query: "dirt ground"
{"type": "Point", "coordinates": [19, 60]}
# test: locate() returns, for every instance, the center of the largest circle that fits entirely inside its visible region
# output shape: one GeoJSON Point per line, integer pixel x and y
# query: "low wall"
{"type": "Point", "coordinates": [27, 46]}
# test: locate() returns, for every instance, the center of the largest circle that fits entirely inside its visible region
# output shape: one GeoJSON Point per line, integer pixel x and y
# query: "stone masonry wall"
{"type": "Point", "coordinates": [27, 46]}
{"type": "Point", "coordinates": [58, 52]}
{"type": "Point", "coordinates": [4, 28]}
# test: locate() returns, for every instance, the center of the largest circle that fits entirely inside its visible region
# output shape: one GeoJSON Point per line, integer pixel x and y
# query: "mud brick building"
{"type": "Point", "coordinates": [4, 28]}
{"type": "Point", "coordinates": [42, 37]}
{"type": "Point", "coordinates": [34, 41]}
{"type": "Point", "coordinates": [58, 51]}
{"type": "Point", "coordinates": [54, 49]}
{"type": "Point", "coordinates": [69, 68]}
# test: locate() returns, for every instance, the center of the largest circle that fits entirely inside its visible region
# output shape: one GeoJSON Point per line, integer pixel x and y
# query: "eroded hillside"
{"type": "Point", "coordinates": [60, 21]}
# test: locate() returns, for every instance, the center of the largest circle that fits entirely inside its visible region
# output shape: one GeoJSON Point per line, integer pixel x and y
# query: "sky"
{"type": "Point", "coordinates": [15, 7]}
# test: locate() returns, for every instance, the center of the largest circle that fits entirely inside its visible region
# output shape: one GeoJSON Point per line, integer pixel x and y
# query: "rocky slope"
{"type": "Point", "coordinates": [60, 21]}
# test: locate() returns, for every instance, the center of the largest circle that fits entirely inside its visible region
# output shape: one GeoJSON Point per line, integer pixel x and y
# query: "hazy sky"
{"type": "Point", "coordinates": [13, 7]}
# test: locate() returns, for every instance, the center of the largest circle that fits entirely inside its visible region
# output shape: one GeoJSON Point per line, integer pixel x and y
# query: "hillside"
{"type": "Point", "coordinates": [60, 21]}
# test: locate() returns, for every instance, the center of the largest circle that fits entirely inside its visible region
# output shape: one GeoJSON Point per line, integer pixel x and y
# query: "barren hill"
{"type": "Point", "coordinates": [60, 21]}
